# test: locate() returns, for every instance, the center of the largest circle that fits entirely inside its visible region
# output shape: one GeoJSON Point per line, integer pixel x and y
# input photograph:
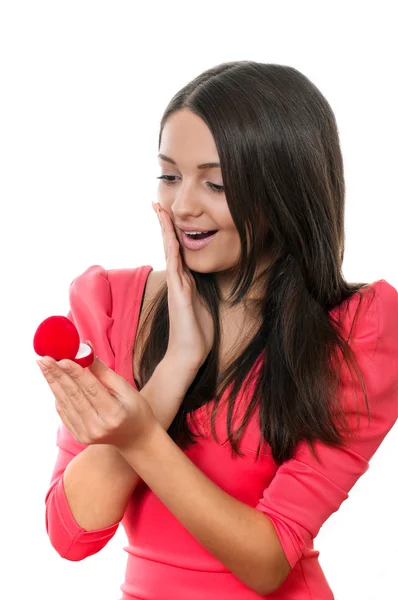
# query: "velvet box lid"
{"type": "Point", "coordinates": [58, 338]}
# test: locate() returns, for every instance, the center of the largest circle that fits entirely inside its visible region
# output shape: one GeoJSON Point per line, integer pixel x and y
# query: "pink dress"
{"type": "Point", "coordinates": [164, 561]}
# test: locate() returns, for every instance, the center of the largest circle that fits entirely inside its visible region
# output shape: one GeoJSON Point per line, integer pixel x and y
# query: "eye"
{"type": "Point", "coordinates": [167, 181]}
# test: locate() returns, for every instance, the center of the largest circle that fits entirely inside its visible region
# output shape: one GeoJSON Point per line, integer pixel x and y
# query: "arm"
{"type": "Point", "coordinates": [91, 485]}
{"type": "Point", "coordinates": [99, 482]}
{"type": "Point", "coordinates": [216, 519]}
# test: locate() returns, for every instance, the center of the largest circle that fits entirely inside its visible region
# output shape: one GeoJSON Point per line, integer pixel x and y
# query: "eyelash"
{"type": "Point", "coordinates": [216, 188]}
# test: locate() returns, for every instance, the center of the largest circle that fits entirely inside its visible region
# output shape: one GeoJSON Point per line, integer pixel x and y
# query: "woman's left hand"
{"type": "Point", "coordinates": [97, 405]}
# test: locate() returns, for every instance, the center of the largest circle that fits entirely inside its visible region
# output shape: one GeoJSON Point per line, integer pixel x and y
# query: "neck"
{"type": "Point", "coordinates": [254, 295]}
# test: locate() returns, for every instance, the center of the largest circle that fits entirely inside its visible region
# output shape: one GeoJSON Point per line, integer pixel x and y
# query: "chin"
{"type": "Point", "coordinates": [201, 268]}
{"type": "Point", "coordinates": [206, 266]}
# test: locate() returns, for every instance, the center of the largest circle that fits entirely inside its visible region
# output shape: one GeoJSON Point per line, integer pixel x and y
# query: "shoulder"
{"type": "Point", "coordinates": [387, 322]}
{"type": "Point", "coordinates": [368, 320]}
{"type": "Point", "coordinates": [156, 279]}
{"type": "Point", "coordinates": [372, 307]}
{"type": "Point", "coordinates": [388, 299]}
{"type": "Point", "coordinates": [92, 284]}
{"type": "Point", "coordinates": [154, 282]}
{"type": "Point", "coordinates": [97, 275]}
{"type": "Point", "coordinates": [373, 329]}
{"type": "Point", "coordinates": [91, 273]}
{"type": "Point", "coordinates": [381, 309]}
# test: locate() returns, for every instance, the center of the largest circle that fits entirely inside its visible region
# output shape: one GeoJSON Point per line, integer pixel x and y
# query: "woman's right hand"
{"type": "Point", "coordinates": [191, 331]}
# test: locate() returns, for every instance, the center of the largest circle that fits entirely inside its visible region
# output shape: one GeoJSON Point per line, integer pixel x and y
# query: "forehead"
{"type": "Point", "coordinates": [187, 141]}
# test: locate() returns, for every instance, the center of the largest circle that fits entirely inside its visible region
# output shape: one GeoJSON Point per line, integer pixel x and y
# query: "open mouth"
{"type": "Point", "coordinates": [198, 241]}
{"type": "Point", "coordinates": [201, 236]}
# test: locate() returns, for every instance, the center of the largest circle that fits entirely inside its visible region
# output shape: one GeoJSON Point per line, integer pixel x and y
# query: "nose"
{"type": "Point", "coordinates": [186, 205]}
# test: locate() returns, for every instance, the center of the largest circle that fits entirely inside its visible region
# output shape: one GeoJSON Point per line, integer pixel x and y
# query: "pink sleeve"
{"type": "Point", "coordinates": [304, 493]}
{"type": "Point", "coordinates": [90, 309]}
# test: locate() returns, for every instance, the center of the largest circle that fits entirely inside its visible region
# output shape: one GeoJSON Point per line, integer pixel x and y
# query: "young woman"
{"type": "Point", "coordinates": [238, 395]}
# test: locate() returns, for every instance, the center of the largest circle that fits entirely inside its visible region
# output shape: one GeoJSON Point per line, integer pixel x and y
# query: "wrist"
{"type": "Point", "coordinates": [175, 377]}
{"type": "Point", "coordinates": [181, 367]}
{"type": "Point", "coordinates": [141, 444]}
{"type": "Point", "coordinates": [166, 389]}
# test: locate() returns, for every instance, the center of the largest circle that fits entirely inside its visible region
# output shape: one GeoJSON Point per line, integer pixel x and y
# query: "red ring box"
{"type": "Point", "coordinates": [58, 338]}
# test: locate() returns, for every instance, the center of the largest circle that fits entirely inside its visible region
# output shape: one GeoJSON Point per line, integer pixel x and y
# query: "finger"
{"type": "Point", "coordinates": [171, 243]}
{"type": "Point", "coordinates": [174, 266]}
{"type": "Point", "coordinates": [176, 271]}
{"type": "Point", "coordinates": [96, 384]}
{"type": "Point", "coordinates": [167, 229]}
{"type": "Point", "coordinates": [157, 208]}
{"type": "Point", "coordinates": [76, 432]}
{"type": "Point", "coordinates": [63, 379]}
{"type": "Point", "coordinates": [111, 381]}
{"type": "Point", "coordinates": [65, 409]}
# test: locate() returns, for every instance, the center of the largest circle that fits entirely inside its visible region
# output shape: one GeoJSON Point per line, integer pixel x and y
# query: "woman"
{"type": "Point", "coordinates": [242, 391]}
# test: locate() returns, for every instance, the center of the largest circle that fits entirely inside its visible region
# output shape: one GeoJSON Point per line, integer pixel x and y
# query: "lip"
{"type": "Point", "coordinates": [182, 229]}
{"type": "Point", "coordinates": [196, 244]}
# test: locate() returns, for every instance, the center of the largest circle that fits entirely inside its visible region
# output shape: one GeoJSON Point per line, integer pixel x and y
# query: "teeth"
{"type": "Point", "coordinates": [195, 232]}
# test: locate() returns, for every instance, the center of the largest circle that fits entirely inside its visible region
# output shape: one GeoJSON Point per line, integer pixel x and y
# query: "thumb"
{"type": "Point", "coordinates": [97, 366]}
{"type": "Point", "coordinates": [104, 374]}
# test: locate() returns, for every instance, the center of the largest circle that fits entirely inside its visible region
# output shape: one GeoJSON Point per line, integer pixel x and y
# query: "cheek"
{"type": "Point", "coordinates": [231, 231]}
{"type": "Point", "coordinates": [229, 242]}
{"type": "Point", "coordinates": [166, 205]}
{"type": "Point", "coordinates": [165, 195]}
{"type": "Point", "coordinates": [223, 218]}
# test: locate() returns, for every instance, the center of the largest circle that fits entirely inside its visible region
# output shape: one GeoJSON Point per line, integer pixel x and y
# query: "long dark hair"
{"type": "Point", "coordinates": [282, 170]}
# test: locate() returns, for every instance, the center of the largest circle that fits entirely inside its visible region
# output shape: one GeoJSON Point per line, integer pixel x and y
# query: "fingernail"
{"type": "Point", "coordinates": [42, 366]}
{"type": "Point", "coordinates": [160, 218]}
{"type": "Point", "coordinates": [92, 347]}
{"type": "Point", "coordinates": [65, 366]}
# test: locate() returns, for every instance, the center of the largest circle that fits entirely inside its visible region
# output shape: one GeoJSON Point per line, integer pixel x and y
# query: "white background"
{"type": "Point", "coordinates": [83, 88]}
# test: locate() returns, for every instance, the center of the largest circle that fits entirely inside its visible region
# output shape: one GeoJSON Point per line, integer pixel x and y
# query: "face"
{"type": "Point", "coordinates": [188, 195]}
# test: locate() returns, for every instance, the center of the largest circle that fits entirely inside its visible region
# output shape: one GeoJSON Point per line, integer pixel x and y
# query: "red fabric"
{"type": "Point", "coordinates": [164, 559]}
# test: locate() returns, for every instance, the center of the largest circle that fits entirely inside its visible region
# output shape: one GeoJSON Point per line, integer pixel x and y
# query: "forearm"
{"type": "Point", "coordinates": [98, 484]}
{"type": "Point", "coordinates": [98, 481]}
{"type": "Point", "coordinates": [166, 389]}
{"type": "Point", "coordinates": [217, 520]}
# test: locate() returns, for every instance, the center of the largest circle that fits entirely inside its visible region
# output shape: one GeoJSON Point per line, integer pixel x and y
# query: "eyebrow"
{"type": "Point", "coordinates": [209, 165]}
